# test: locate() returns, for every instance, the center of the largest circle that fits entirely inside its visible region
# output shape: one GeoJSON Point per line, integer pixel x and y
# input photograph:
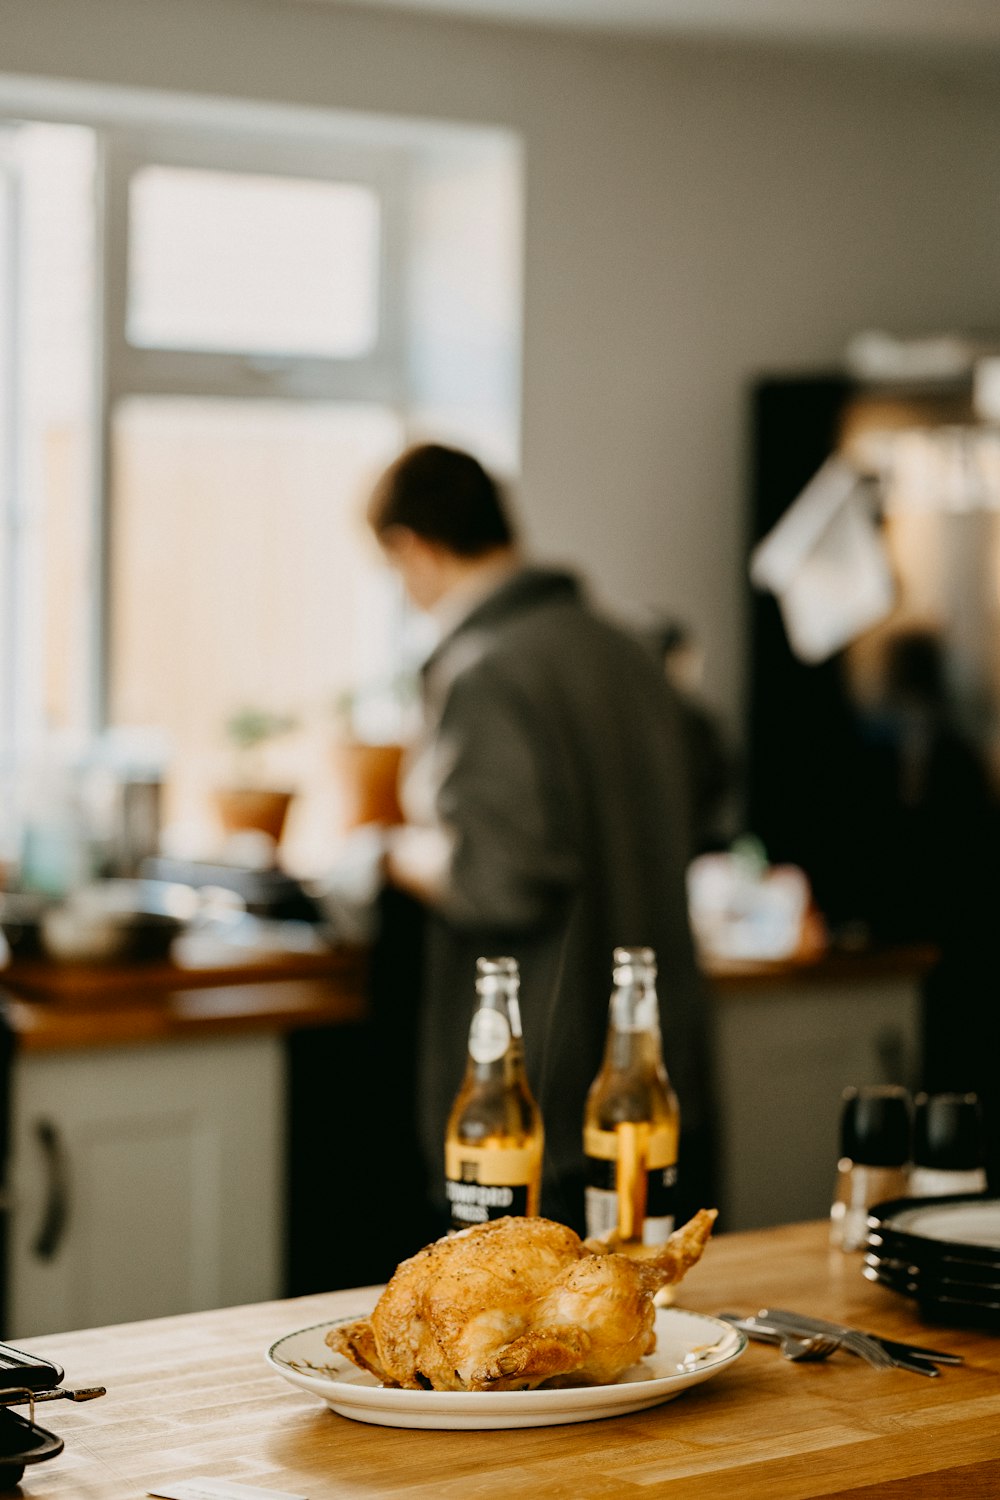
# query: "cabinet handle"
{"type": "Point", "coordinates": [56, 1213]}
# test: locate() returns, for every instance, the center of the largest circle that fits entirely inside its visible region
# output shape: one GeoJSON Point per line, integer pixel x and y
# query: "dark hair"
{"type": "Point", "coordinates": [445, 496]}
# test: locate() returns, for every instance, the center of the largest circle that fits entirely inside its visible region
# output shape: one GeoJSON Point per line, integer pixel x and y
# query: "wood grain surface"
{"type": "Point", "coordinates": [192, 1396]}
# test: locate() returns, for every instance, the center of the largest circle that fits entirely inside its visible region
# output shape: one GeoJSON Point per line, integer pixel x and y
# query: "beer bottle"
{"type": "Point", "coordinates": [493, 1146]}
{"type": "Point", "coordinates": [632, 1119]}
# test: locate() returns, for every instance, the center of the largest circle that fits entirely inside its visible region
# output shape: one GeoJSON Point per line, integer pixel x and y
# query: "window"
{"type": "Point", "coordinates": [252, 396]}
{"type": "Point", "coordinates": [263, 265]}
{"type": "Point", "coordinates": [255, 506]}
{"type": "Point", "coordinates": [222, 334]}
{"type": "Point", "coordinates": [47, 404]}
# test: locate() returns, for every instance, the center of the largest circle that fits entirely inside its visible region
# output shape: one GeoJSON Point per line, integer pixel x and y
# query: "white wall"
{"type": "Point", "coordinates": [694, 215]}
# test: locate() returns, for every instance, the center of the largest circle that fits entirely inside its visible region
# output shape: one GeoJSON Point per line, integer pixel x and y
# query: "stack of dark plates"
{"type": "Point", "coordinates": [944, 1252]}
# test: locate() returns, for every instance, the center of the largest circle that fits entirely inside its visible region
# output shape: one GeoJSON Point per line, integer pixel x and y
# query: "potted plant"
{"type": "Point", "coordinates": [368, 748]}
{"type": "Point", "coordinates": [248, 804]}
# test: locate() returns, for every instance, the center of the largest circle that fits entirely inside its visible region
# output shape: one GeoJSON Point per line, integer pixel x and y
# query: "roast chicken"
{"type": "Point", "coordinates": [518, 1303]}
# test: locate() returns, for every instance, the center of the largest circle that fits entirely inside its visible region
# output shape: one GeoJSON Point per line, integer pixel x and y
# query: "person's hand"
{"type": "Point", "coordinates": [418, 860]}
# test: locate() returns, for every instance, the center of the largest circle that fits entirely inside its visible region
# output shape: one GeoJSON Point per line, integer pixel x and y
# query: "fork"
{"type": "Point", "coordinates": [802, 1350]}
{"type": "Point", "coordinates": [799, 1348]}
{"type": "Point", "coordinates": [851, 1339]}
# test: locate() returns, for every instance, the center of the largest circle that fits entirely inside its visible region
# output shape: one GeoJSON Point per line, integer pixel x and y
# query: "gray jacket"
{"type": "Point", "coordinates": [557, 761]}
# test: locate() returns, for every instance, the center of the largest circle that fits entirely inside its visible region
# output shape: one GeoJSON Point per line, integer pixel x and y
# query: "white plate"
{"type": "Point", "coordinates": [964, 1223]}
{"type": "Point", "coordinates": [304, 1359]}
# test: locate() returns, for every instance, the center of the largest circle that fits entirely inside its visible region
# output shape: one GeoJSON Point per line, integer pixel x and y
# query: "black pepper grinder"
{"type": "Point", "coordinates": [874, 1154]}
{"type": "Point", "coordinates": [947, 1146]}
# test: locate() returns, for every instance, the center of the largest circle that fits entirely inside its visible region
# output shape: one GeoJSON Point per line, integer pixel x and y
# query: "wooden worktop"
{"type": "Point", "coordinates": [824, 966]}
{"type": "Point", "coordinates": [192, 1396]}
{"type": "Point", "coordinates": [54, 1006]}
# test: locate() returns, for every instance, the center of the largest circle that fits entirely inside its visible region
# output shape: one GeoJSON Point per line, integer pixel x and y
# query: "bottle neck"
{"type": "Point", "coordinates": [634, 1007]}
{"type": "Point", "coordinates": [633, 1025]}
{"type": "Point", "coordinates": [495, 1045]}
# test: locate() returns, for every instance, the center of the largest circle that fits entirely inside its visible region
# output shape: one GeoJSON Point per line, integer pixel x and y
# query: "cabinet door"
{"type": "Point", "coordinates": [145, 1181]}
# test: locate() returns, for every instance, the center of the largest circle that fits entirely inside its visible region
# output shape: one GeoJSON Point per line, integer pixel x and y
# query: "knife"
{"type": "Point", "coordinates": [914, 1351]}
{"type": "Point", "coordinates": [895, 1347]}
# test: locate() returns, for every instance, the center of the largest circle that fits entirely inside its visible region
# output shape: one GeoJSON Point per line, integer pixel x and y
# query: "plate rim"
{"type": "Point", "coordinates": [463, 1402]}
{"type": "Point", "coordinates": [881, 1219]}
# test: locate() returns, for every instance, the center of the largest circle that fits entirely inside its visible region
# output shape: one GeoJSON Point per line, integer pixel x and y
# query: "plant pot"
{"type": "Point", "coordinates": [258, 809]}
{"type": "Point", "coordinates": [368, 783]}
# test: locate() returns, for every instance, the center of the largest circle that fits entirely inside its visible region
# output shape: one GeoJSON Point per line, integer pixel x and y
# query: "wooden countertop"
{"type": "Point", "coordinates": [192, 1396]}
{"type": "Point", "coordinates": [829, 966]}
{"type": "Point", "coordinates": [55, 1006]}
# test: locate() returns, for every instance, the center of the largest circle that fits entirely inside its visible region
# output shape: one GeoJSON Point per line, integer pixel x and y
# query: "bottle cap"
{"type": "Point", "coordinates": [507, 967]}
{"type": "Point", "coordinates": [634, 963]}
{"type": "Point", "coordinates": [947, 1132]}
{"type": "Point", "coordinates": [875, 1126]}
{"type": "Point", "coordinates": [493, 974]}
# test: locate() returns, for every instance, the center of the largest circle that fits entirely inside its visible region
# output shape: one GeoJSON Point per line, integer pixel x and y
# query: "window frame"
{"type": "Point", "coordinates": [125, 370]}
{"type": "Point", "coordinates": [10, 519]}
{"type": "Point", "coordinates": [397, 156]}
{"type": "Point", "coordinates": [377, 375]}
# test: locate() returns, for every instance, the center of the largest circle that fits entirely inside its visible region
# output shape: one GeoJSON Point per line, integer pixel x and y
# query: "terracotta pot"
{"type": "Point", "coordinates": [243, 808]}
{"type": "Point", "coordinates": [368, 783]}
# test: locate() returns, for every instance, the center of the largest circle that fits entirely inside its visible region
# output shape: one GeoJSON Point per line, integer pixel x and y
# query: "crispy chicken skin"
{"type": "Point", "coordinates": [518, 1303]}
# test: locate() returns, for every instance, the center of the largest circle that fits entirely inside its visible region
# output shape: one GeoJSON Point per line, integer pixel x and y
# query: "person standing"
{"type": "Point", "coordinates": [547, 816]}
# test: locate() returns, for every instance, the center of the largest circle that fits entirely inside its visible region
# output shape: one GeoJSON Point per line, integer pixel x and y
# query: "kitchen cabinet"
{"type": "Point", "coordinates": [185, 1115]}
{"type": "Point", "coordinates": [786, 1045]}
{"type": "Point", "coordinates": [144, 1180]}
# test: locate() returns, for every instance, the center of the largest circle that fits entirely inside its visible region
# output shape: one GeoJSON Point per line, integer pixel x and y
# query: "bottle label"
{"type": "Point", "coordinates": [601, 1202]}
{"type": "Point", "coordinates": [477, 1203]}
{"type": "Point", "coordinates": [601, 1209]}
{"type": "Point", "coordinates": [631, 1182]}
{"type": "Point", "coordinates": [659, 1144]}
{"type": "Point", "coordinates": [488, 1182]}
{"type": "Point", "coordinates": [489, 1036]}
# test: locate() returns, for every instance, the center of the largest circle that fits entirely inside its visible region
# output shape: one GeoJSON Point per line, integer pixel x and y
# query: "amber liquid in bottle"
{"type": "Point", "coordinates": [495, 1139]}
{"type": "Point", "coordinates": [632, 1118]}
